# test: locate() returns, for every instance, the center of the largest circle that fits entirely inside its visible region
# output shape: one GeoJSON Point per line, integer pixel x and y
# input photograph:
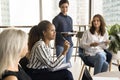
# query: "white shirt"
{"type": "Point", "coordinates": [89, 38]}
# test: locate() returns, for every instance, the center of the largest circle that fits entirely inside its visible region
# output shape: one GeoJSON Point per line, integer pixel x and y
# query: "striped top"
{"type": "Point", "coordinates": [41, 57]}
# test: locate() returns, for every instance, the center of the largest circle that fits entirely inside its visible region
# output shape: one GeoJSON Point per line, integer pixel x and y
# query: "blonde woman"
{"type": "Point", "coordinates": [13, 46]}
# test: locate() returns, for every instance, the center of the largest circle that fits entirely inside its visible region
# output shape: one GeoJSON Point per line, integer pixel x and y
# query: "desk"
{"type": "Point", "coordinates": [111, 74]}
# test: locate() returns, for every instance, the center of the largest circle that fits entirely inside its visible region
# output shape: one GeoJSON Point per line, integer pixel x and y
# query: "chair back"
{"type": "Point", "coordinates": [23, 62]}
{"type": "Point", "coordinates": [79, 34]}
{"type": "Point", "coordinates": [84, 57]}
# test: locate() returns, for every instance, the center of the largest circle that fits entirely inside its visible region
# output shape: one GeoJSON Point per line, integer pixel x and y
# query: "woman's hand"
{"type": "Point", "coordinates": [94, 44]}
{"type": "Point", "coordinates": [66, 47]}
{"type": "Point", "coordinates": [107, 42]}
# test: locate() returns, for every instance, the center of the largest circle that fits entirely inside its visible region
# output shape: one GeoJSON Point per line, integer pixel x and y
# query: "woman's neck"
{"type": "Point", "coordinates": [64, 13]}
{"type": "Point", "coordinates": [97, 30]}
{"type": "Point", "coordinates": [14, 66]}
{"type": "Point", "coordinates": [47, 42]}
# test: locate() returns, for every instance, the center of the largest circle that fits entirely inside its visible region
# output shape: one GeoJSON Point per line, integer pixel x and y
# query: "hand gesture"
{"type": "Point", "coordinates": [66, 47]}
{"type": "Point", "coordinates": [107, 42]}
{"type": "Point", "coordinates": [94, 44]}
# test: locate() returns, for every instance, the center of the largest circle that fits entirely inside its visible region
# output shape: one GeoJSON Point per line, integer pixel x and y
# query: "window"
{"type": "Point", "coordinates": [19, 12]}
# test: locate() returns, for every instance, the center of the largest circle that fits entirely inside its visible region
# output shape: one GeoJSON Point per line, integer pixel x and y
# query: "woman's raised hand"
{"type": "Point", "coordinates": [66, 47]}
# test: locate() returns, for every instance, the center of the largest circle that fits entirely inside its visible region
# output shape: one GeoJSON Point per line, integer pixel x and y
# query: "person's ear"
{"type": "Point", "coordinates": [44, 33]}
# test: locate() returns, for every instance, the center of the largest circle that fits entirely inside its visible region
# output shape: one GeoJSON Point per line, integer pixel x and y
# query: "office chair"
{"type": "Point", "coordinates": [23, 63]}
{"type": "Point", "coordinates": [78, 35]}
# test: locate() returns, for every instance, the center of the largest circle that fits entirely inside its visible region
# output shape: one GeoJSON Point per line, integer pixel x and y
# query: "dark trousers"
{"type": "Point", "coordinates": [45, 74]}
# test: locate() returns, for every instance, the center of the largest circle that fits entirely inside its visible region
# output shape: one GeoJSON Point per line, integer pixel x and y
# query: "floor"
{"type": "Point", "coordinates": [76, 67]}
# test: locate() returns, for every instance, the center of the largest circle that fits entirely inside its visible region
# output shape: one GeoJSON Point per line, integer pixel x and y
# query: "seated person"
{"type": "Point", "coordinates": [41, 64]}
{"type": "Point", "coordinates": [13, 46]}
{"type": "Point", "coordinates": [94, 41]}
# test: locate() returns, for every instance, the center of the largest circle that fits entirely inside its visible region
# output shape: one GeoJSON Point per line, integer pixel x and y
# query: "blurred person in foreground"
{"type": "Point", "coordinates": [13, 47]}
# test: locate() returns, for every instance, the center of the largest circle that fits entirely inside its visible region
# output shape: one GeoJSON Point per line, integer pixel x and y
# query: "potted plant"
{"type": "Point", "coordinates": [114, 33]}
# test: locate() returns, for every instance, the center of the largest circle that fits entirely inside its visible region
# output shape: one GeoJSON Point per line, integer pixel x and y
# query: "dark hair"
{"type": "Point", "coordinates": [43, 26]}
{"type": "Point", "coordinates": [62, 2]}
{"type": "Point", "coordinates": [33, 37]}
{"type": "Point", "coordinates": [36, 33]}
{"type": "Point", "coordinates": [102, 25]}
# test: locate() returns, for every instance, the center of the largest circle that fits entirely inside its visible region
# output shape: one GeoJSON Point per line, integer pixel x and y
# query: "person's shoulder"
{"type": "Point", "coordinates": [69, 17]}
{"type": "Point", "coordinates": [57, 17]}
{"type": "Point", "coordinates": [40, 42]}
{"type": "Point", "coordinates": [9, 75]}
{"type": "Point", "coordinates": [11, 78]}
{"type": "Point", "coordinates": [87, 31]}
{"type": "Point", "coordinates": [106, 31]}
